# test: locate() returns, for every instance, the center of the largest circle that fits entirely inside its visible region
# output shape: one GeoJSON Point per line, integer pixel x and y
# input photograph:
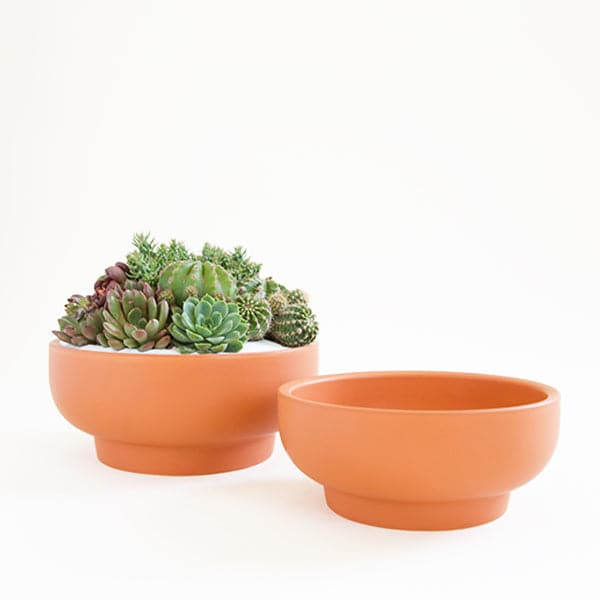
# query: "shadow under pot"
{"type": "Point", "coordinates": [170, 414]}
{"type": "Point", "coordinates": [418, 450]}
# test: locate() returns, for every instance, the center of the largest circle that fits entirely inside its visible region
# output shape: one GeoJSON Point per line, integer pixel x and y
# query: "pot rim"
{"type": "Point", "coordinates": [552, 395]}
{"type": "Point", "coordinates": [62, 346]}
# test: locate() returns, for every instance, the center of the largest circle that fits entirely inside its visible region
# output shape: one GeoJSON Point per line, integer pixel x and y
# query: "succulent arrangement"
{"type": "Point", "coordinates": [166, 296]}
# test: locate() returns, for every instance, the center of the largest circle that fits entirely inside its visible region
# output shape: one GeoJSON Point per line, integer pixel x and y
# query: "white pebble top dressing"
{"type": "Point", "coordinates": [249, 348]}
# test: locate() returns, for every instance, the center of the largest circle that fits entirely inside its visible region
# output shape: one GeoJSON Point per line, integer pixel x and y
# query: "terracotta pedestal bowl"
{"type": "Point", "coordinates": [174, 414]}
{"type": "Point", "coordinates": [418, 450]}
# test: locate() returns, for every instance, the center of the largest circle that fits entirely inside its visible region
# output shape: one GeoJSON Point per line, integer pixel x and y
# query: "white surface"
{"type": "Point", "coordinates": [249, 348]}
{"type": "Point", "coordinates": [426, 170]}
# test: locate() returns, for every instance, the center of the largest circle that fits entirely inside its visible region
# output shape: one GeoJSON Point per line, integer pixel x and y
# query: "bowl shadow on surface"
{"type": "Point", "coordinates": [284, 522]}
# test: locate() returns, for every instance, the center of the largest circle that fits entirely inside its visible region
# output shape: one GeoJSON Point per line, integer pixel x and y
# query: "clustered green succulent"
{"type": "Point", "coordinates": [207, 325]}
{"type": "Point", "coordinates": [149, 258]}
{"type": "Point", "coordinates": [165, 296]}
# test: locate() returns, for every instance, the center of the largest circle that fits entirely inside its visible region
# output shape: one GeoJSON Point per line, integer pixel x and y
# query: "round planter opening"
{"type": "Point", "coordinates": [418, 450]}
{"type": "Point", "coordinates": [170, 414]}
{"type": "Point", "coordinates": [421, 391]}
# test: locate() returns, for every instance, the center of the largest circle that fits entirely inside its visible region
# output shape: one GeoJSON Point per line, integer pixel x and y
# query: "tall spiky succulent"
{"type": "Point", "coordinates": [295, 326]}
{"type": "Point", "coordinates": [257, 313]}
{"type": "Point", "coordinates": [237, 263]}
{"type": "Point", "coordinates": [149, 258]}
{"type": "Point", "coordinates": [181, 280]}
{"type": "Point", "coordinates": [277, 302]}
{"type": "Point", "coordinates": [83, 331]}
{"type": "Point", "coordinates": [208, 325]}
{"type": "Point", "coordinates": [134, 319]}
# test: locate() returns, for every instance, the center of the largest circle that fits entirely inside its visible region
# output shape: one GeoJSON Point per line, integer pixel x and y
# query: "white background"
{"type": "Point", "coordinates": [427, 170]}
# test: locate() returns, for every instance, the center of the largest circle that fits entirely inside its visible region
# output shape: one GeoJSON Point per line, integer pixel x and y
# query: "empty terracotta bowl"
{"type": "Point", "coordinates": [418, 450]}
{"type": "Point", "coordinates": [175, 414]}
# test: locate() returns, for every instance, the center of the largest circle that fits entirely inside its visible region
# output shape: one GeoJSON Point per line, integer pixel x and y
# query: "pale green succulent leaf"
{"type": "Point", "coordinates": [115, 344]}
{"type": "Point", "coordinates": [163, 342]}
{"type": "Point", "coordinates": [152, 328]}
{"type": "Point", "coordinates": [128, 328]}
{"type": "Point", "coordinates": [193, 336]}
{"type": "Point", "coordinates": [219, 348]}
{"type": "Point", "coordinates": [234, 346]}
{"type": "Point", "coordinates": [151, 308]}
{"type": "Point", "coordinates": [140, 336]}
{"type": "Point", "coordinates": [134, 315]}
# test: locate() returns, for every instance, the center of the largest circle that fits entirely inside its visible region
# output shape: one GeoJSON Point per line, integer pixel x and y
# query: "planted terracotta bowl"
{"type": "Point", "coordinates": [418, 450]}
{"type": "Point", "coordinates": [172, 414]}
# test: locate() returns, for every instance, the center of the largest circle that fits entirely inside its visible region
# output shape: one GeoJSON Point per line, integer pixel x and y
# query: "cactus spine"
{"type": "Point", "coordinates": [297, 296]}
{"type": "Point", "coordinates": [278, 302]}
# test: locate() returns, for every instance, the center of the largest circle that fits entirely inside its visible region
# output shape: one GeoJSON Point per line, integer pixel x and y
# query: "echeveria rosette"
{"type": "Point", "coordinates": [83, 331]}
{"type": "Point", "coordinates": [208, 326]}
{"type": "Point", "coordinates": [134, 319]}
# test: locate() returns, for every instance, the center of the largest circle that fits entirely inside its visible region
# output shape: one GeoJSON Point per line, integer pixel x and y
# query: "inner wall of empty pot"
{"type": "Point", "coordinates": [421, 392]}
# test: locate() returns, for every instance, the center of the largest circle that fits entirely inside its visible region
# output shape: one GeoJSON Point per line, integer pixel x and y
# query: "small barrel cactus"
{"type": "Point", "coordinates": [208, 325]}
{"type": "Point", "coordinates": [87, 330]}
{"type": "Point", "coordinates": [257, 313]}
{"type": "Point", "coordinates": [297, 296]}
{"type": "Point", "coordinates": [295, 326]}
{"type": "Point", "coordinates": [134, 319]}
{"type": "Point", "coordinates": [277, 302]}
{"type": "Point", "coordinates": [183, 279]}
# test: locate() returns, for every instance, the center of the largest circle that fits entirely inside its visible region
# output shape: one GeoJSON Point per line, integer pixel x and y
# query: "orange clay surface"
{"type": "Point", "coordinates": [176, 414]}
{"type": "Point", "coordinates": [418, 450]}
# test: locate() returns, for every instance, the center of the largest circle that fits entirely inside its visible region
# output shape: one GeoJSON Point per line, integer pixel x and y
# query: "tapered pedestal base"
{"type": "Point", "coordinates": [429, 516]}
{"type": "Point", "coordinates": [185, 460]}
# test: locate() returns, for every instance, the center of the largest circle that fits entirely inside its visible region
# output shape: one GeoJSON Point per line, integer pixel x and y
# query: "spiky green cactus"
{"type": "Point", "coordinates": [208, 325]}
{"type": "Point", "coordinates": [257, 313]}
{"type": "Point", "coordinates": [134, 319]}
{"type": "Point", "coordinates": [80, 332]}
{"type": "Point", "coordinates": [237, 263]}
{"type": "Point", "coordinates": [295, 326]}
{"type": "Point", "coordinates": [297, 296]}
{"type": "Point", "coordinates": [181, 280]}
{"type": "Point", "coordinates": [149, 258]}
{"type": "Point", "coordinates": [277, 302]}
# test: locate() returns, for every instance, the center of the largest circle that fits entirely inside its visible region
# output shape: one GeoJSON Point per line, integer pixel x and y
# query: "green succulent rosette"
{"type": "Point", "coordinates": [134, 319]}
{"type": "Point", "coordinates": [208, 326]}
{"type": "Point", "coordinates": [83, 331]}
